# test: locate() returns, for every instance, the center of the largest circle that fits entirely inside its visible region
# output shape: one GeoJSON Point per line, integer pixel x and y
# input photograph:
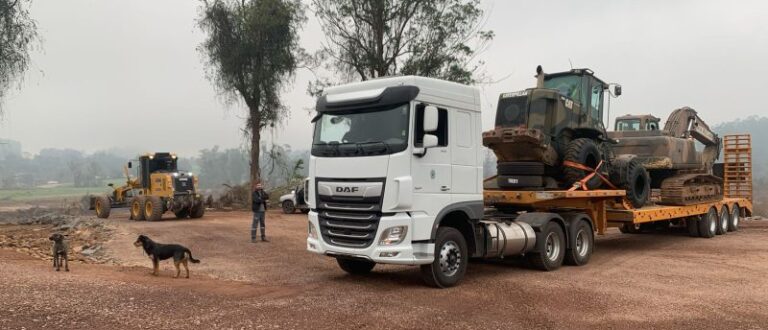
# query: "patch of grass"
{"type": "Point", "coordinates": [62, 191]}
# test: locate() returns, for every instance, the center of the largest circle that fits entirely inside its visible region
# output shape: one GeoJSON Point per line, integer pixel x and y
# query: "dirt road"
{"type": "Point", "coordinates": [662, 280]}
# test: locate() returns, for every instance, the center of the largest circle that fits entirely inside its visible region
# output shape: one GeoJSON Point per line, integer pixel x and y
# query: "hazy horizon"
{"type": "Point", "coordinates": [128, 74]}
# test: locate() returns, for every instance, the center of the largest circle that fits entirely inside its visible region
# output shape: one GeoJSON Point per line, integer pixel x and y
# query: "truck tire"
{"type": "Point", "coordinates": [451, 257]}
{"type": "Point", "coordinates": [103, 206]}
{"type": "Point", "coordinates": [693, 225]}
{"type": "Point", "coordinates": [153, 208]}
{"type": "Point", "coordinates": [630, 228]}
{"type": "Point", "coordinates": [632, 177]}
{"type": "Point", "coordinates": [723, 220]}
{"type": "Point", "coordinates": [585, 152]}
{"type": "Point", "coordinates": [519, 181]}
{"type": "Point", "coordinates": [581, 245]}
{"type": "Point", "coordinates": [182, 214]}
{"type": "Point", "coordinates": [137, 208]}
{"type": "Point", "coordinates": [708, 224]}
{"type": "Point", "coordinates": [550, 248]}
{"type": "Point", "coordinates": [519, 168]}
{"type": "Point", "coordinates": [197, 210]}
{"type": "Point", "coordinates": [355, 266]}
{"type": "Point", "coordinates": [735, 220]}
{"type": "Point", "coordinates": [288, 207]}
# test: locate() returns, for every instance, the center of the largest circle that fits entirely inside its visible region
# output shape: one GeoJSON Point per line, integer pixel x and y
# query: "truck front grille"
{"type": "Point", "coordinates": [348, 229]}
{"type": "Point", "coordinates": [183, 184]}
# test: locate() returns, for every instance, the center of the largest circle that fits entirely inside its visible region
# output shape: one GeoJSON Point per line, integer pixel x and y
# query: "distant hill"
{"type": "Point", "coordinates": [757, 126]}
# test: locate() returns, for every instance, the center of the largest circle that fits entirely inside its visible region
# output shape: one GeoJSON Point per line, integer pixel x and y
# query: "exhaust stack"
{"type": "Point", "coordinates": [539, 77]}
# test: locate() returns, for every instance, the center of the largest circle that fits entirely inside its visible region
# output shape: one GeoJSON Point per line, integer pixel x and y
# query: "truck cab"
{"type": "Point", "coordinates": [392, 160]}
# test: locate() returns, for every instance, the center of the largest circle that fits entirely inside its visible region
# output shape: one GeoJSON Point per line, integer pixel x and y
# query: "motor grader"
{"type": "Point", "coordinates": [157, 187]}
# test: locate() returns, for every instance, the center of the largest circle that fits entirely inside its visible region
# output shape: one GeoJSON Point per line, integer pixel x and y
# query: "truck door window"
{"type": "Point", "coordinates": [595, 105]}
{"type": "Point", "coordinates": [442, 126]}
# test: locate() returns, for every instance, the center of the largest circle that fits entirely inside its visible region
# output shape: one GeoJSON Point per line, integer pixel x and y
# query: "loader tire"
{"type": "Point", "coordinates": [519, 181]}
{"type": "Point", "coordinates": [137, 208]}
{"type": "Point", "coordinates": [585, 152]}
{"type": "Point", "coordinates": [632, 177]}
{"type": "Point", "coordinates": [197, 211]}
{"type": "Point", "coordinates": [519, 168]}
{"type": "Point", "coordinates": [103, 206]}
{"type": "Point", "coordinates": [153, 208]}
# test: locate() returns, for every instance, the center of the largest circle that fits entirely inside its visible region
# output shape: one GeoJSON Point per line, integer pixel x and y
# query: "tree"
{"type": "Point", "coordinates": [373, 38]}
{"type": "Point", "coordinates": [17, 33]}
{"type": "Point", "coordinates": [252, 51]}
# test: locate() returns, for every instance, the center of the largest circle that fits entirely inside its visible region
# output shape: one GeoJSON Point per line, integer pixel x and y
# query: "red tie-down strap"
{"type": "Point", "coordinates": [593, 171]}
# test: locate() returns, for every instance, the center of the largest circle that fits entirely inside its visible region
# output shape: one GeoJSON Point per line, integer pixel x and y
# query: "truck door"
{"type": "Point", "coordinates": [464, 177]}
{"type": "Point", "coordinates": [432, 172]}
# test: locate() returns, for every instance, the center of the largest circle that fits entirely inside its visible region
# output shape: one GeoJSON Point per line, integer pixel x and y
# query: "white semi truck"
{"type": "Point", "coordinates": [395, 177]}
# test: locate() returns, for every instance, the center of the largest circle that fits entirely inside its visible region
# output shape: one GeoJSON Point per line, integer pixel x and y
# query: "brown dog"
{"type": "Point", "coordinates": [59, 252]}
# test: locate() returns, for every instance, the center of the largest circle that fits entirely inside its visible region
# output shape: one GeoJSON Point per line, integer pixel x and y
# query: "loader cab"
{"type": "Point", "coordinates": [581, 86]}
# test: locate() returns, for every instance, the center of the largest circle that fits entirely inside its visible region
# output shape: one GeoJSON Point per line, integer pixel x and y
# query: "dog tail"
{"type": "Point", "coordinates": [193, 260]}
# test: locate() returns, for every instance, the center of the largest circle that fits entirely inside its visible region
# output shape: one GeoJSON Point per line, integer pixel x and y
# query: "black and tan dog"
{"type": "Point", "coordinates": [158, 252]}
{"type": "Point", "coordinates": [59, 251]}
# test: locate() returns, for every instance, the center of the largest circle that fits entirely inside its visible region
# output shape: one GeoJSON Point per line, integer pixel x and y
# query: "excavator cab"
{"type": "Point", "coordinates": [632, 123]}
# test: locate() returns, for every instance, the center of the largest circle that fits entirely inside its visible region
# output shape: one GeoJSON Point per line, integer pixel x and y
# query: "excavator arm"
{"type": "Point", "coordinates": [686, 123]}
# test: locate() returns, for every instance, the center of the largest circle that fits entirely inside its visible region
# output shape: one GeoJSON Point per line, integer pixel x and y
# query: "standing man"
{"type": "Point", "coordinates": [259, 200]}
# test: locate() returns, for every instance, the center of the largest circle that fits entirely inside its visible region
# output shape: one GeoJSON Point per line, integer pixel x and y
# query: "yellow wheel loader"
{"type": "Point", "coordinates": [158, 187]}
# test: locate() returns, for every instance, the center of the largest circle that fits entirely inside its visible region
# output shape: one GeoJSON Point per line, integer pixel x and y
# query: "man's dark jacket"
{"type": "Point", "coordinates": [259, 196]}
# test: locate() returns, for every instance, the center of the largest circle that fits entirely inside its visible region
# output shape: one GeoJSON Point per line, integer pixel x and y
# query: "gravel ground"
{"type": "Point", "coordinates": [664, 280]}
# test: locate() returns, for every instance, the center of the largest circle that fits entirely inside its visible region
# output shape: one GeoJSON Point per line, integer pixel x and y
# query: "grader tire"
{"type": "Point", "coordinates": [153, 208]}
{"type": "Point", "coordinates": [197, 211]}
{"type": "Point", "coordinates": [103, 206]}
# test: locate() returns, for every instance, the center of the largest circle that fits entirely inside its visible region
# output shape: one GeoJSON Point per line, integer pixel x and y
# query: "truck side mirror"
{"type": "Point", "coordinates": [430, 141]}
{"type": "Point", "coordinates": [130, 165]}
{"type": "Point", "coordinates": [430, 119]}
{"type": "Point", "coordinates": [617, 90]}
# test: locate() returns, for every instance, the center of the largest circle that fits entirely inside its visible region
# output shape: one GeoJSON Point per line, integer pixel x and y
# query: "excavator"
{"type": "Point", "coordinates": [675, 166]}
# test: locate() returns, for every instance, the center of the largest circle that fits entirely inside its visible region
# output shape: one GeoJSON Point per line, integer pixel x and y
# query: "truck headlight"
{"type": "Point", "coordinates": [393, 235]}
{"type": "Point", "coordinates": [311, 231]}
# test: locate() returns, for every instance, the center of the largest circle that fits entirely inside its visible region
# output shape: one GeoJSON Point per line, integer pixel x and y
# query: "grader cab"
{"type": "Point", "coordinates": [157, 187]}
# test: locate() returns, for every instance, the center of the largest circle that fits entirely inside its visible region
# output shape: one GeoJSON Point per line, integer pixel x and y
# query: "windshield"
{"type": "Point", "coordinates": [362, 132]}
{"type": "Point", "coordinates": [628, 125]}
{"type": "Point", "coordinates": [568, 86]}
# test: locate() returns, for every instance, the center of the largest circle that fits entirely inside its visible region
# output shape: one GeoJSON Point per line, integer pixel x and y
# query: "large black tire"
{"type": "Point", "coordinates": [693, 225]}
{"type": "Point", "coordinates": [519, 181]}
{"type": "Point", "coordinates": [355, 266]}
{"type": "Point", "coordinates": [103, 206]}
{"type": "Point", "coordinates": [182, 214]}
{"type": "Point", "coordinates": [288, 207]}
{"type": "Point", "coordinates": [708, 224]}
{"type": "Point", "coordinates": [520, 168]}
{"type": "Point", "coordinates": [632, 177]}
{"type": "Point", "coordinates": [736, 214]}
{"type": "Point", "coordinates": [153, 208]}
{"type": "Point", "coordinates": [723, 220]}
{"type": "Point", "coordinates": [581, 244]}
{"type": "Point", "coordinates": [197, 211]}
{"type": "Point", "coordinates": [585, 152]}
{"type": "Point", "coordinates": [451, 257]}
{"type": "Point", "coordinates": [550, 248]}
{"type": "Point", "coordinates": [137, 208]}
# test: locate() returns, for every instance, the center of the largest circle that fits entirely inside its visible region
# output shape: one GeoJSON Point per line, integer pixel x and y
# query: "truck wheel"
{"type": "Point", "coordinates": [153, 208]}
{"type": "Point", "coordinates": [630, 228]}
{"type": "Point", "coordinates": [102, 206]}
{"type": "Point", "coordinates": [550, 248]}
{"type": "Point", "coordinates": [137, 208]}
{"type": "Point", "coordinates": [733, 224]}
{"type": "Point", "coordinates": [708, 224]}
{"type": "Point", "coordinates": [723, 220]}
{"type": "Point", "coordinates": [582, 243]}
{"type": "Point", "coordinates": [634, 180]}
{"type": "Point", "coordinates": [288, 207]}
{"type": "Point", "coordinates": [182, 214]}
{"type": "Point", "coordinates": [693, 225]}
{"type": "Point", "coordinates": [450, 262]}
{"type": "Point", "coordinates": [355, 266]}
{"type": "Point", "coordinates": [197, 211]}
{"type": "Point", "coordinates": [585, 152]}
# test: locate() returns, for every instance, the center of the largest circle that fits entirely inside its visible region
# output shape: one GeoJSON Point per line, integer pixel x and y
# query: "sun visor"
{"type": "Point", "coordinates": [372, 98]}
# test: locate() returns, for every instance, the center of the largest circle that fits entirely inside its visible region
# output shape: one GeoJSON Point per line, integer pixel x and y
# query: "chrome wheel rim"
{"type": "Point", "coordinates": [450, 258]}
{"type": "Point", "coordinates": [552, 246]}
{"type": "Point", "coordinates": [724, 220]}
{"type": "Point", "coordinates": [736, 216]}
{"type": "Point", "coordinates": [582, 243]}
{"type": "Point", "coordinates": [712, 222]}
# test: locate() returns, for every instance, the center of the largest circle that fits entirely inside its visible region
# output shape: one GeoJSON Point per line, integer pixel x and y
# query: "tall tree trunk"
{"type": "Point", "coordinates": [255, 124]}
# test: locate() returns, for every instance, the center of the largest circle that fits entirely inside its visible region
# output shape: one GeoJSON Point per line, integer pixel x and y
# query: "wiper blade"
{"type": "Point", "coordinates": [364, 150]}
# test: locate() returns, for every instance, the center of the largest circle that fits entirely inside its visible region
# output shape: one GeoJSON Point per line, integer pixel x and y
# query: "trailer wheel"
{"type": "Point", "coordinates": [582, 243]}
{"type": "Point", "coordinates": [137, 208]}
{"type": "Point", "coordinates": [288, 207]}
{"type": "Point", "coordinates": [102, 206]}
{"type": "Point", "coordinates": [197, 211]}
{"type": "Point", "coordinates": [723, 220]}
{"type": "Point", "coordinates": [630, 228]}
{"type": "Point", "coordinates": [693, 225]}
{"type": "Point", "coordinates": [451, 256]}
{"type": "Point", "coordinates": [153, 208]}
{"type": "Point", "coordinates": [585, 152]}
{"type": "Point", "coordinates": [550, 248]}
{"type": "Point", "coordinates": [355, 266]}
{"type": "Point", "coordinates": [733, 224]}
{"type": "Point", "coordinates": [708, 224]}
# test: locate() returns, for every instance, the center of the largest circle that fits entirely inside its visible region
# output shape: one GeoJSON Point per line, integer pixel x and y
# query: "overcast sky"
{"type": "Point", "coordinates": [127, 74]}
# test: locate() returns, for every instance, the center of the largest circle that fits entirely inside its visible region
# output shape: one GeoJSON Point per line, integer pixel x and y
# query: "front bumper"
{"type": "Point", "coordinates": [514, 144]}
{"type": "Point", "coordinates": [405, 253]}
